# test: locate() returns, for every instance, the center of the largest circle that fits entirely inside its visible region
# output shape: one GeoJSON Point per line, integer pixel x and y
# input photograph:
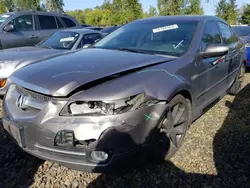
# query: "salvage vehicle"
{"type": "Point", "coordinates": [59, 42]}
{"type": "Point", "coordinates": [243, 32]}
{"type": "Point", "coordinates": [27, 28]}
{"type": "Point", "coordinates": [127, 99]}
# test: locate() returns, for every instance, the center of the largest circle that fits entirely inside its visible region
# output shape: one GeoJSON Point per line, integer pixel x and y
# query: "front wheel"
{"type": "Point", "coordinates": [171, 130]}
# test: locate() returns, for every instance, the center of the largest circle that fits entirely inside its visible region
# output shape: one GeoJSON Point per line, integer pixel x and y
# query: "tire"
{"type": "Point", "coordinates": [170, 131]}
{"type": "Point", "coordinates": [236, 87]}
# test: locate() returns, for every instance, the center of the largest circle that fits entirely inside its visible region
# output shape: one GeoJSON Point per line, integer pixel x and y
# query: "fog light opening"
{"type": "Point", "coordinates": [65, 138]}
{"type": "Point", "coordinates": [99, 156]}
{"type": "Point", "coordinates": [2, 83]}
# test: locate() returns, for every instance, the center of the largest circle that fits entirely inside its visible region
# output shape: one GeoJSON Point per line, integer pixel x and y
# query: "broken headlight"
{"type": "Point", "coordinates": [103, 108]}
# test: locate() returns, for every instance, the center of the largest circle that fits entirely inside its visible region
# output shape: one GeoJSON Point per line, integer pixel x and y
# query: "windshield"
{"type": "Point", "coordinates": [154, 37]}
{"type": "Point", "coordinates": [242, 30]}
{"type": "Point", "coordinates": [64, 40]}
{"type": "Point", "coordinates": [3, 17]}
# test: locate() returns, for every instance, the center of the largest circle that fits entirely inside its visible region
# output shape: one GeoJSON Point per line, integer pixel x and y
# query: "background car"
{"type": "Point", "coordinates": [130, 97]}
{"type": "Point", "coordinates": [107, 30]}
{"type": "Point", "coordinates": [94, 28]}
{"type": "Point", "coordinates": [243, 31]}
{"type": "Point", "coordinates": [61, 41]}
{"type": "Point", "coordinates": [27, 28]}
{"type": "Point", "coordinates": [85, 25]}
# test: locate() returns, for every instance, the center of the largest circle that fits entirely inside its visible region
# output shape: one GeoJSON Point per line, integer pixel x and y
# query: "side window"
{"type": "Point", "coordinates": [23, 23]}
{"type": "Point", "coordinates": [90, 38]}
{"type": "Point", "coordinates": [227, 36]}
{"type": "Point", "coordinates": [68, 22]}
{"type": "Point", "coordinates": [211, 35]}
{"type": "Point", "coordinates": [47, 22]}
{"type": "Point", "coordinates": [59, 23]}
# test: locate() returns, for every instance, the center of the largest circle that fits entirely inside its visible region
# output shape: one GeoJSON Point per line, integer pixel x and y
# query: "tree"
{"type": "Point", "coordinates": [9, 4]}
{"type": "Point", "coordinates": [192, 7]}
{"type": "Point", "coordinates": [152, 12]}
{"type": "Point", "coordinates": [233, 12]}
{"type": "Point", "coordinates": [27, 4]}
{"type": "Point", "coordinates": [78, 14]}
{"type": "Point", "coordinates": [245, 17]}
{"type": "Point", "coordinates": [3, 8]}
{"type": "Point", "coordinates": [54, 5]}
{"type": "Point", "coordinates": [124, 11]}
{"type": "Point", "coordinates": [227, 10]}
{"type": "Point", "coordinates": [170, 7]}
{"type": "Point", "coordinates": [221, 9]}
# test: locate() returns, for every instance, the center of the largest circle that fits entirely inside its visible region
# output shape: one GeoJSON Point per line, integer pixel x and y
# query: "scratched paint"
{"type": "Point", "coordinates": [62, 74]}
{"type": "Point", "coordinates": [150, 117]}
{"type": "Point", "coordinates": [160, 70]}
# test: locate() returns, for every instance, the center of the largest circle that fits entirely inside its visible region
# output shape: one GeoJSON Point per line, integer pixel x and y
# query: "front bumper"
{"type": "Point", "coordinates": [126, 138]}
{"type": "Point", "coordinates": [79, 158]}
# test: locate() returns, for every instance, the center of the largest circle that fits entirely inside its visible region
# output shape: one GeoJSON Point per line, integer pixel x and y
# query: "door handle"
{"type": "Point", "coordinates": [33, 36]}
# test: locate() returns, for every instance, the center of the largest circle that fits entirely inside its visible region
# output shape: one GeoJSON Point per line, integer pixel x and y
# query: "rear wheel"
{"type": "Point", "coordinates": [236, 87]}
{"type": "Point", "coordinates": [171, 130]}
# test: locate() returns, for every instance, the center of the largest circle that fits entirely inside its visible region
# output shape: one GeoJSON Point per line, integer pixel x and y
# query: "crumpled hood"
{"type": "Point", "coordinates": [60, 75]}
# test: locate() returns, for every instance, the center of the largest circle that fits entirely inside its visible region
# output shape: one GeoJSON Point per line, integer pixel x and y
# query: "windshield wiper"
{"type": "Point", "coordinates": [136, 50]}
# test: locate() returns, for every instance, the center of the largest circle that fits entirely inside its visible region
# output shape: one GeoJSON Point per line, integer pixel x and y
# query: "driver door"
{"type": "Point", "coordinates": [23, 35]}
{"type": "Point", "coordinates": [211, 76]}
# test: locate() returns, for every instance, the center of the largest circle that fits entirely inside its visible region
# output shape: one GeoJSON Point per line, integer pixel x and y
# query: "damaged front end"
{"type": "Point", "coordinates": [89, 135]}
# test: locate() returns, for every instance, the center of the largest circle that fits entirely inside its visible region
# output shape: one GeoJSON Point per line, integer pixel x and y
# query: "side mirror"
{"type": "Point", "coordinates": [86, 45]}
{"type": "Point", "coordinates": [215, 50]}
{"type": "Point", "coordinates": [9, 28]}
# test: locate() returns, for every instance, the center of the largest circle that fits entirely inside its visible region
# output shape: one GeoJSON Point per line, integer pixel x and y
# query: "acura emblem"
{"type": "Point", "coordinates": [21, 101]}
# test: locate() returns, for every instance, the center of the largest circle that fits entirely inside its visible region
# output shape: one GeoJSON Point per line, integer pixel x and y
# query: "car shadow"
{"type": "Point", "coordinates": [17, 168]}
{"type": "Point", "coordinates": [231, 147]}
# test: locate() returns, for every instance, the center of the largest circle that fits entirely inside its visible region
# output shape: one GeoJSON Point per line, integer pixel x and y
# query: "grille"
{"type": "Point", "coordinates": [34, 95]}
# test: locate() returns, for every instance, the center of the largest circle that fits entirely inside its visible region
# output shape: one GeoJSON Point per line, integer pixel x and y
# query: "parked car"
{"type": "Point", "coordinates": [61, 41]}
{"type": "Point", "coordinates": [108, 30]}
{"type": "Point", "coordinates": [95, 28]}
{"type": "Point", "coordinates": [27, 28]}
{"type": "Point", "coordinates": [130, 97]}
{"type": "Point", "coordinates": [85, 25]}
{"type": "Point", "coordinates": [243, 31]}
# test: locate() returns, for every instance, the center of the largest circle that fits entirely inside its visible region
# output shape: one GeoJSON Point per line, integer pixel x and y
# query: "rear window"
{"type": "Point", "coordinates": [47, 22]}
{"type": "Point", "coordinates": [68, 22]}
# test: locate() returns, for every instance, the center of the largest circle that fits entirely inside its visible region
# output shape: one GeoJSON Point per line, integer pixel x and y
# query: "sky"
{"type": "Point", "coordinates": [82, 4]}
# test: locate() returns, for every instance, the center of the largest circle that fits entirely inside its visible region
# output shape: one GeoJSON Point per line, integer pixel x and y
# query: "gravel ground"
{"type": "Point", "coordinates": [215, 153]}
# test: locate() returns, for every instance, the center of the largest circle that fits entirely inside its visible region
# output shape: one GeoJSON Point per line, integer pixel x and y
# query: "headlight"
{"type": "Point", "coordinates": [4, 64]}
{"type": "Point", "coordinates": [103, 108]}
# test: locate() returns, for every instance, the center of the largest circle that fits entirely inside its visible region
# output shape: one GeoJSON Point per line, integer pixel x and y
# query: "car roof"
{"type": "Point", "coordinates": [38, 12]}
{"type": "Point", "coordinates": [93, 27]}
{"type": "Point", "coordinates": [81, 31]}
{"type": "Point", "coordinates": [182, 17]}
